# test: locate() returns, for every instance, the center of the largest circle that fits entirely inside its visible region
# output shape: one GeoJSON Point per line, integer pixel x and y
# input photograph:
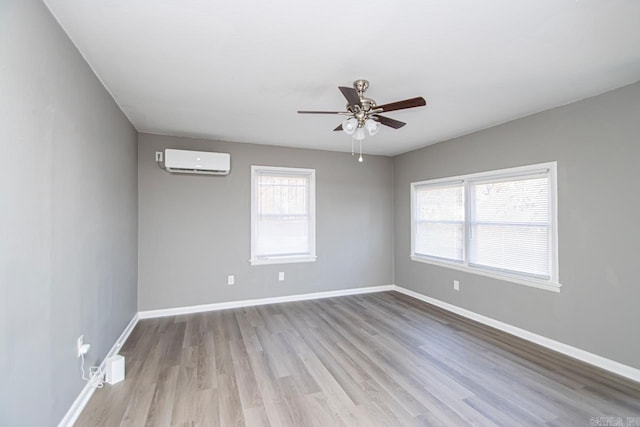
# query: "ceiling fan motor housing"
{"type": "Point", "coordinates": [361, 113]}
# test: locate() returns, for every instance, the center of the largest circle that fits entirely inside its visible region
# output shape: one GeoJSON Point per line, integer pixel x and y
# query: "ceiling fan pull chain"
{"type": "Point", "coordinates": [352, 151]}
{"type": "Point", "coordinates": [360, 158]}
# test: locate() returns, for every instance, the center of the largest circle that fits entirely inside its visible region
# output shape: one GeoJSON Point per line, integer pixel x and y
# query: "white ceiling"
{"type": "Point", "coordinates": [239, 70]}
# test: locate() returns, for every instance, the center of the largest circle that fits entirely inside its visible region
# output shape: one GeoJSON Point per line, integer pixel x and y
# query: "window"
{"type": "Point", "coordinates": [500, 224]}
{"type": "Point", "coordinates": [440, 221]}
{"type": "Point", "coordinates": [510, 227]}
{"type": "Point", "coordinates": [282, 215]}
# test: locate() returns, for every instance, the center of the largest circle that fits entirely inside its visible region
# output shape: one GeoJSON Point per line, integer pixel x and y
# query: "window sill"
{"type": "Point", "coordinates": [283, 260]}
{"type": "Point", "coordinates": [540, 284]}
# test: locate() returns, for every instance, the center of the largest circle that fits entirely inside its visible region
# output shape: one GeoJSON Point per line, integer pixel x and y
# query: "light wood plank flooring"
{"type": "Point", "coordinates": [369, 360]}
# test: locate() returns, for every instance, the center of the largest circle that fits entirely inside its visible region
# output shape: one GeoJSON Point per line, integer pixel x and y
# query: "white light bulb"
{"type": "Point", "coordinates": [359, 134]}
{"type": "Point", "coordinates": [349, 125]}
{"type": "Point", "coordinates": [372, 126]}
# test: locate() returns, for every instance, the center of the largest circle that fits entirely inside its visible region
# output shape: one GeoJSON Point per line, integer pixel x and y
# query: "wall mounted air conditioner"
{"type": "Point", "coordinates": [199, 162]}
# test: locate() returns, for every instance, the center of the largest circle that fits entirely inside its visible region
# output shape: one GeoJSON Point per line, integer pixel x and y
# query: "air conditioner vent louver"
{"type": "Point", "coordinates": [197, 162]}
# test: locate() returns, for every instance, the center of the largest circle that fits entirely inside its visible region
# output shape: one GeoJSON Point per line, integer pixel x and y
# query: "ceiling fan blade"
{"type": "Point", "coordinates": [392, 123]}
{"type": "Point", "coordinates": [322, 112]}
{"type": "Point", "coordinates": [338, 128]}
{"type": "Point", "coordinates": [401, 105]}
{"type": "Point", "coordinates": [351, 94]}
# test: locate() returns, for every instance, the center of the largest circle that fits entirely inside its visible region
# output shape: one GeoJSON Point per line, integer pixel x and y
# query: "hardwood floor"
{"type": "Point", "coordinates": [369, 360]}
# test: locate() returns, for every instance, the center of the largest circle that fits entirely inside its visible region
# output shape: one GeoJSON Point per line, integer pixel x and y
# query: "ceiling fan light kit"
{"type": "Point", "coordinates": [363, 113]}
{"type": "Point", "coordinates": [349, 126]}
{"type": "Point", "coordinates": [372, 127]}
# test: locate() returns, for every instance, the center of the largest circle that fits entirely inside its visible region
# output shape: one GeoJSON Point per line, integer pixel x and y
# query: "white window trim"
{"type": "Point", "coordinates": [552, 284]}
{"type": "Point", "coordinates": [312, 217]}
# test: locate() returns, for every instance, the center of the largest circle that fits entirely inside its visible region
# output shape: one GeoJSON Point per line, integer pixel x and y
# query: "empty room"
{"type": "Point", "coordinates": [246, 213]}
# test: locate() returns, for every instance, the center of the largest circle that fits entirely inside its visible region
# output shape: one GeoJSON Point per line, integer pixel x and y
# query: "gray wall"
{"type": "Point", "coordinates": [195, 230]}
{"type": "Point", "coordinates": [597, 146]}
{"type": "Point", "coordinates": [68, 216]}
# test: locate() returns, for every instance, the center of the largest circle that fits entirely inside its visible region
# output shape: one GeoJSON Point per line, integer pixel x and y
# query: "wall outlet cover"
{"type": "Point", "coordinates": [79, 345]}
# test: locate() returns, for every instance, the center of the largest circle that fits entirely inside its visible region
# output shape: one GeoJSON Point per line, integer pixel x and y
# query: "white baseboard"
{"type": "Point", "coordinates": [576, 353]}
{"type": "Point", "coordinates": [87, 391]}
{"type": "Point", "coordinates": [593, 359]}
{"type": "Point", "coordinates": [163, 312]}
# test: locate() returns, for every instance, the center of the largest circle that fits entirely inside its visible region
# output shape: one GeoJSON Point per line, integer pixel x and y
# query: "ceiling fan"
{"type": "Point", "coordinates": [363, 113]}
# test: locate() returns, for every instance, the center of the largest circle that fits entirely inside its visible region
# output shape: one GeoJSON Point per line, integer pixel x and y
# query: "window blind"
{"type": "Point", "coordinates": [439, 221]}
{"type": "Point", "coordinates": [283, 219]}
{"type": "Point", "coordinates": [510, 224]}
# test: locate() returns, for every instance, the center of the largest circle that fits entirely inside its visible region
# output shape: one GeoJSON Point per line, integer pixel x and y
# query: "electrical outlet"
{"type": "Point", "coordinates": [159, 156]}
{"type": "Point", "coordinates": [231, 280]}
{"type": "Point", "coordinates": [80, 344]}
{"type": "Point", "coordinates": [456, 285]}
{"type": "Point", "coordinates": [281, 276]}
{"type": "Point", "coordinates": [82, 347]}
